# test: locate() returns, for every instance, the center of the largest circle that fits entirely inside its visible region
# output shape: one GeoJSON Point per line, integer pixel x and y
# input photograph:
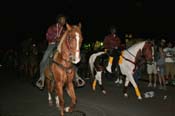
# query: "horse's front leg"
{"type": "Point", "coordinates": [50, 99]}
{"type": "Point", "coordinates": [137, 91]}
{"type": "Point", "coordinates": [59, 91]}
{"type": "Point", "coordinates": [57, 102]}
{"type": "Point", "coordinates": [71, 93]}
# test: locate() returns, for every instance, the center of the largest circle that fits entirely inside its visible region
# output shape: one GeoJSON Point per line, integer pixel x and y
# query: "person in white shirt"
{"type": "Point", "coordinates": [152, 70]}
{"type": "Point", "coordinates": [169, 61]}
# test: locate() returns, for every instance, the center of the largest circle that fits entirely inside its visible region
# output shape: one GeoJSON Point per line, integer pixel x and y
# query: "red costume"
{"type": "Point", "coordinates": [54, 32]}
{"type": "Point", "coordinates": [111, 41]}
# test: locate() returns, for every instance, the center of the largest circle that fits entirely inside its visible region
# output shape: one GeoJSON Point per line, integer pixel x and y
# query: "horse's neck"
{"type": "Point", "coordinates": [59, 47]}
{"type": "Point", "coordinates": [62, 54]}
{"type": "Point", "coordinates": [133, 51]}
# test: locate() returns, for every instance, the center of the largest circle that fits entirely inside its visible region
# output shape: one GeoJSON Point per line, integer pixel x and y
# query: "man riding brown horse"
{"type": "Point", "coordinates": [53, 35]}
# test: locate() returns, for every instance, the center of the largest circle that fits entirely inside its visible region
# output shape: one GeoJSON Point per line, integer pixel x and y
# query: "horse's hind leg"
{"type": "Point", "coordinates": [71, 93]}
{"type": "Point", "coordinates": [98, 77]}
{"type": "Point", "coordinates": [48, 83]}
{"type": "Point", "coordinates": [94, 84]}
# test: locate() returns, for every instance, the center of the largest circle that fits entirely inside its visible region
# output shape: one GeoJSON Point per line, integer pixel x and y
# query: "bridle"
{"type": "Point", "coordinates": [70, 49]}
{"type": "Point", "coordinates": [142, 54]}
{"type": "Point", "coordinates": [68, 44]}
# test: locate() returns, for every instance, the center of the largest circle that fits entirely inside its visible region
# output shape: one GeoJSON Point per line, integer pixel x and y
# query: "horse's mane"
{"type": "Point", "coordinates": [136, 44]}
{"type": "Point", "coordinates": [61, 41]}
{"type": "Point", "coordinates": [59, 45]}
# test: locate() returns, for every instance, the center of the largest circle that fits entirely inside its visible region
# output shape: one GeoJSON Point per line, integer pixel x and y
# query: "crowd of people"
{"type": "Point", "coordinates": [162, 65]}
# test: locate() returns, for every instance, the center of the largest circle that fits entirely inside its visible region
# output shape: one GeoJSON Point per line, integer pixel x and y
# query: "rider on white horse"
{"type": "Point", "coordinates": [112, 47]}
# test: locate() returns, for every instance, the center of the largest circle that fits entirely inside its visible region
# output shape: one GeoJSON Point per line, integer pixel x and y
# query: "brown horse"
{"type": "Point", "coordinates": [60, 73]}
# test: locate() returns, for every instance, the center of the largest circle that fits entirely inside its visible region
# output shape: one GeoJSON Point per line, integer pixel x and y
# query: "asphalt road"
{"type": "Point", "coordinates": [20, 98]}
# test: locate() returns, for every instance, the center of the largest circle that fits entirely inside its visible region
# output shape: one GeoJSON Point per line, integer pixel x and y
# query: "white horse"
{"type": "Point", "coordinates": [127, 62]}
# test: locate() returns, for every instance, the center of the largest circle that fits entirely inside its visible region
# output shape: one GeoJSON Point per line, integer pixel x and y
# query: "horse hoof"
{"type": "Point", "coordinates": [125, 95]}
{"type": "Point", "coordinates": [93, 88]}
{"type": "Point", "coordinates": [139, 98]}
{"type": "Point", "coordinates": [104, 92]}
{"type": "Point", "coordinates": [67, 109]}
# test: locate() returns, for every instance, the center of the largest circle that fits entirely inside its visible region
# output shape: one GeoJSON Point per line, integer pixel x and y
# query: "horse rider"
{"type": "Point", "coordinates": [53, 36]}
{"type": "Point", "coordinates": [112, 46]}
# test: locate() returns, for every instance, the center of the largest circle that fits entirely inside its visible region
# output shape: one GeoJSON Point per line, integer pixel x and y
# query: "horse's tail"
{"type": "Point", "coordinates": [91, 65]}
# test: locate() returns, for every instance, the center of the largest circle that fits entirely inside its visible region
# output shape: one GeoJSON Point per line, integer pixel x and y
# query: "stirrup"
{"type": "Point", "coordinates": [39, 84]}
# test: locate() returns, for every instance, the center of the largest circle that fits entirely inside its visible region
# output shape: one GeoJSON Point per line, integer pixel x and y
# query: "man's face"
{"type": "Point", "coordinates": [113, 31]}
{"type": "Point", "coordinates": [62, 20]}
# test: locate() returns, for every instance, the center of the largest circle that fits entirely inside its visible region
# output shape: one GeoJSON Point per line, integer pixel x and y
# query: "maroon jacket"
{"type": "Point", "coordinates": [54, 32]}
{"type": "Point", "coordinates": [111, 41]}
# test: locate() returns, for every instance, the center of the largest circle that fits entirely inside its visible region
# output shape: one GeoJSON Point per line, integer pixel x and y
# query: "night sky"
{"type": "Point", "coordinates": [20, 20]}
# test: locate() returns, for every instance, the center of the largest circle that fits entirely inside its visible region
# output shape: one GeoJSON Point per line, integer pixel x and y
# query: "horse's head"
{"type": "Point", "coordinates": [147, 51]}
{"type": "Point", "coordinates": [72, 43]}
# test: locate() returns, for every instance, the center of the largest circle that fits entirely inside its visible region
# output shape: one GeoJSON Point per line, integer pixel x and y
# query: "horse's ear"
{"type": "Point", "coordinates": [79, 25]}
{"type": "Point", "coordinates": [68, 26]}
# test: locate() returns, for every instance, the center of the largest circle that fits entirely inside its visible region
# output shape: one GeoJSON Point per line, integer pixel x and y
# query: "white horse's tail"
{"type": "Point", "coordinates": [91, 65]}
{"type": "Point", "coordinates": [92, 60]}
